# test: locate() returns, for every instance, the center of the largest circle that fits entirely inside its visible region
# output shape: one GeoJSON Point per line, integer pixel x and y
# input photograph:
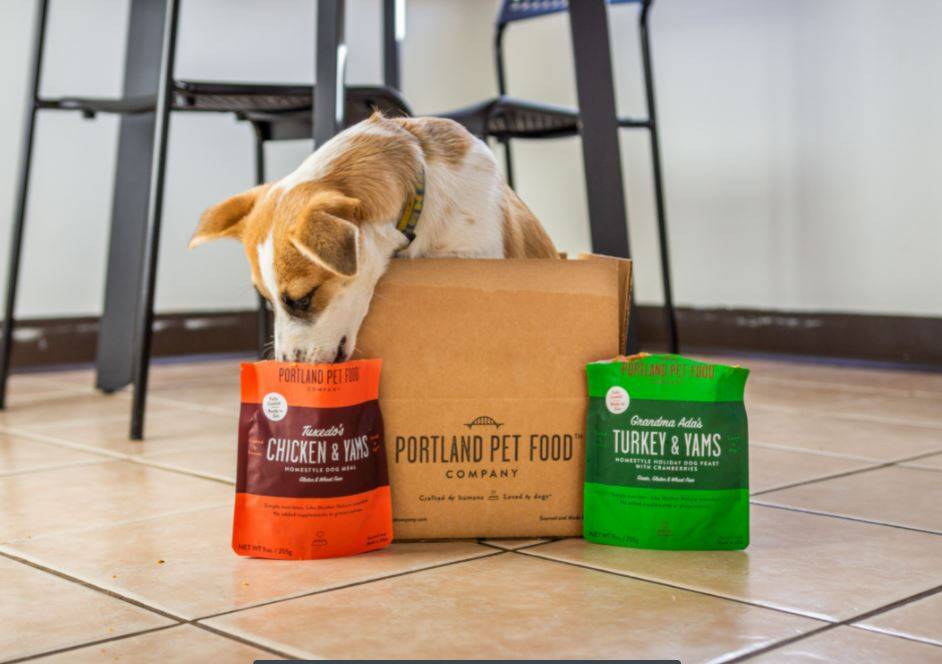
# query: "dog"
{"type": "Point", "coordinates": [320, 238]}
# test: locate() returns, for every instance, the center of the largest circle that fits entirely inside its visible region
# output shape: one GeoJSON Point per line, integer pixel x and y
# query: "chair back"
{"type": "Point", "coordinates": [518, 10]}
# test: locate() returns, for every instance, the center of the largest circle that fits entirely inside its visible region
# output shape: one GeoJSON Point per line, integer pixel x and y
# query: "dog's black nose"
{"type": "Point", "coordinates": [341, 351]}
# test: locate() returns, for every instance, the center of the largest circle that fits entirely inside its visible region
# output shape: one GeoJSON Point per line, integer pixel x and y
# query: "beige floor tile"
{"type": "Point", "coordinates": [934, 462]}
{"type": "Point", "coordinates": [82, 377]}
{"type": "Point", "coordinates": [173, 429]}
{"type": "Point", "coordinates": [224, 398]}
{"type": "Point", "coordinates": [847, 645]}
{"type": "Point", "coordinates": [806, 398]}
{"type": "Point", "coordinates": [513, 544]}
{"type": "Point", "coordinates": [21, 385]}
{"type": "Point", "coordinates": [817, 565]}
{"type": "Point", "coordinates": [180, 374]}
{"type": "Point", "coordinates": [181, 644]}
{"type": "Point", "coordinates": [917, 409]}
{"type": "Point", "coordinates": [916, 497]}
{"type": "Point", "coordinates": [40, 612]}
{"type": "Point", "coordinates": [823, 433]}
{"type": "Point", "coordinates": [510, 606]}
{"type": "Point", "coordinates": [18, 455]}
{"type": "Point", "coordinates": [80, 497]}
{"type": "Point", "coordinates": [921, 620]}
{"type": "Point", "coordinates": [773, 467]}
{"type": "Point", "coordinates": [219, 462]}
{"type": "Point", "coordinates": [201, 575]}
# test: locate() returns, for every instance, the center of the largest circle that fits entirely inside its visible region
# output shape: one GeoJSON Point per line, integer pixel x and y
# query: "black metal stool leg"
{"type": "Point", "coordinates": [262, 327]}
{"type": "Point", "coordinates": [145, 313]}
{"type": "Point", "coordinates": [19, 218]}
{"type": "Point", "coordinates": [669, 312]}
{"type": "Point", "coordinates": [508, 161]}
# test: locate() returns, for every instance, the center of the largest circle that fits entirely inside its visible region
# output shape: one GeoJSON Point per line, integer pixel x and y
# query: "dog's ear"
{"type": "Point", "coordinates": [225, 219]}
{"type": "Point", "coordinates": [323, 234]}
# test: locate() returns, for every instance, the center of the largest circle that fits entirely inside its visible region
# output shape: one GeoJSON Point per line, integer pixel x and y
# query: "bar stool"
{"type": "Point", "coordinates": [275, 112]}
{"type": "Point", "coordinates": [505, 118]}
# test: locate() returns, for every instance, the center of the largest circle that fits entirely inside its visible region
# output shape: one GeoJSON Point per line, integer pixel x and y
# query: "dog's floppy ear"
{"type": "Point", "coordinates": [323, 235]}
{"type": "Point", "coordinates": [225, 219]}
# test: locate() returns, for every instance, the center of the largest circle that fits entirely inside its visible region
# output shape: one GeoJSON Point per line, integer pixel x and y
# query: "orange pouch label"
{"type": "Point", "coordinates": [312, 480]}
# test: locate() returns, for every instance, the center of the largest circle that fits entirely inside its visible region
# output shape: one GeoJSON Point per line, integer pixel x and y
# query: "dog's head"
{"type": "Point", "coordinates": [309, 259]}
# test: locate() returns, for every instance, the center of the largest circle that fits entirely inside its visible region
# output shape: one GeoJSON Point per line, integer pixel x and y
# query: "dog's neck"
{"type": "Point", "coordinates": [379, 243]}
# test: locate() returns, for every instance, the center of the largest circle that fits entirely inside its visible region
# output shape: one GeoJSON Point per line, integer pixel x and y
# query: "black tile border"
{"type": "Point", "coordinates": [877, 339]}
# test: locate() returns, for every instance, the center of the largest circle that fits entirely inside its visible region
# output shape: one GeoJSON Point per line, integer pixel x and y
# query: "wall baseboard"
{"type": "Point", "coordinates": [900, 340]}
{"type": "Point", "coordinates": [57, 341]}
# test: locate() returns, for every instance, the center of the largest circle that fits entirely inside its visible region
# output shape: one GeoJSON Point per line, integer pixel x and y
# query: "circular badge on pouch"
{"type": "Point", "coordinates": [617, 400]}
{"type": "Point", "coordinates": [274, 406]}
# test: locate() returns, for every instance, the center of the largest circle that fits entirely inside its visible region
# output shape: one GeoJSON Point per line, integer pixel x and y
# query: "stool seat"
{"type": "Point", "coordinates": [506, 117]}
{"type": "Point", "coordinates": [252, 101]}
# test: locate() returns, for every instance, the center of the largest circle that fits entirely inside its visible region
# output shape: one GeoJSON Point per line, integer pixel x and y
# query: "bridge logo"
{"type": "Point", "coordinates": [484, 421]}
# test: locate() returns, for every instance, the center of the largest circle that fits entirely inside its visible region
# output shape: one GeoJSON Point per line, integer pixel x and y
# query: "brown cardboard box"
{"type": "Point", "coordinates": [483, 390]}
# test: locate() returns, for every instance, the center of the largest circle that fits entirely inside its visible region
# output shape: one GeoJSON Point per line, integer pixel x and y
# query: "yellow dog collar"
{"type": "Point", "coordinates": [413, 209]}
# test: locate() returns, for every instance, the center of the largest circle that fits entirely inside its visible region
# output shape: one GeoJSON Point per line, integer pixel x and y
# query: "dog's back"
{"type": "Point", "coordinates": [470, 210]}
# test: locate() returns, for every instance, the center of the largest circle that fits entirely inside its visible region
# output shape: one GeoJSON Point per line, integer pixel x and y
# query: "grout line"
{"type": "Point", "coordinates": [59, 466]}
{"type": "Point", "coordinates": [910, 466]}
{"type": "Point", "coordinates": [666, 584]}
{"type": "Point", "coordinates": [544, 540]}
{"type": "Point", "coordinates": [347, 585]}
{"type": "Point", "coordinates": [899, 635]}
{"type": "Point", "coordinates": [179, 470]}
{"type": "Point", "coordinates": [815, 480]}
{"type": "Point", "coordinates": [845, 517]}
{"type": "Point", "coordinates": [847, 622]}
{"type": "Point", "coordinates": [117, 456]}
{"type": "Point", "coordinates": [62, 442]}
{"type": "Point", "coordinates": [186, 405]}
{"type": "Point", "coordinates": [89, 644]}
{"type": "Point", "coordinates": [878, 466]}
{"type": "Point", "coordinates": [91, 586]}
{"type": "Point", "coordinates": [244, 641]}
{"type": "Point", "coordinates": [7, 544]}
{"type": "Point", "coordinates": [804, 450]}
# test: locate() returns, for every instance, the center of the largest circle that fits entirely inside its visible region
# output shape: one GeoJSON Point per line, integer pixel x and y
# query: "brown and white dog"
{"type": "Point", "coordinates": [319, 239]}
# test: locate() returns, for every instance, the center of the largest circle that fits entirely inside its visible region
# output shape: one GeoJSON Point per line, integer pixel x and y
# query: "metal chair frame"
{"type": "Point", "coordinates": [649, 123]}
{"type": "Point", "coordinates": [145, 113]}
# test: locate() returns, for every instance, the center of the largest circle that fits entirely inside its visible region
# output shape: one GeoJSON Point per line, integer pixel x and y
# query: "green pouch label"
{"type": "Point", "coordinates": [667, 454]}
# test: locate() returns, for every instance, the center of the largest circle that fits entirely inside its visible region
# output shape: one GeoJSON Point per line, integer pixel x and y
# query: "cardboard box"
{"type": "Point", "coordinates": [484, 391]}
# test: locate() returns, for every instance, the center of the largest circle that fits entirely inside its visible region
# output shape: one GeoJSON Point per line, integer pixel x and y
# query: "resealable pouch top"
{"type": "Point", "coordinates": [667, 454]}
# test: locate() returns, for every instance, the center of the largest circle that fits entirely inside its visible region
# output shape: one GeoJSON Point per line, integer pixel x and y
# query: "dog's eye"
{"type": "Point", "coordinates": [300, 305]}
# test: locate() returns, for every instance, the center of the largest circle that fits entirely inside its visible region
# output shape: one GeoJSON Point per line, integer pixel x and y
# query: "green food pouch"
{"type": "Point", "coordinates": [667, 454]}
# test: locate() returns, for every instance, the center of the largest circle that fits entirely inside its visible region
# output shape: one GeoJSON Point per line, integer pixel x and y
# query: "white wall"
{"type": "Point", "coordinates": [802, 142]}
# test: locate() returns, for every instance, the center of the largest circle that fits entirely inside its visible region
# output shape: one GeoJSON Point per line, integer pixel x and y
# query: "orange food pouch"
{"type": "Point", "coordinates": [312, 480]}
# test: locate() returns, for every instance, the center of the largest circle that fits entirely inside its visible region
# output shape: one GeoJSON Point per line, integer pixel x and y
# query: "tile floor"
{"type": "Point", "coordinates": [112, 550]}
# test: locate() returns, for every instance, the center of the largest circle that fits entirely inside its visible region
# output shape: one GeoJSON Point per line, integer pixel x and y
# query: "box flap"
{"type": "Point", "coordinates": [624, 280]}
{"type": "Point", "coordinates": [517, 328]}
